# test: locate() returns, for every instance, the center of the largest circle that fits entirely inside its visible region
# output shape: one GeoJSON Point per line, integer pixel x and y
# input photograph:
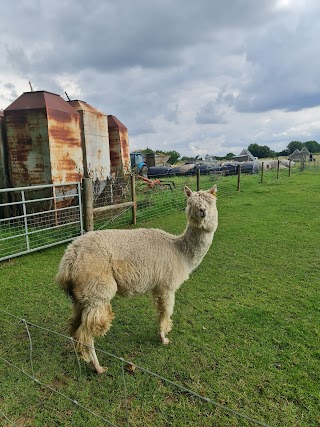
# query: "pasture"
{"type": "Point", "coordinates": [246, 327]}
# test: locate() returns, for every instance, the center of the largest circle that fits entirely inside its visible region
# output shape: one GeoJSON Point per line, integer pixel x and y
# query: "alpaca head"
{"type": "Point", "coordinates": [202, 209]}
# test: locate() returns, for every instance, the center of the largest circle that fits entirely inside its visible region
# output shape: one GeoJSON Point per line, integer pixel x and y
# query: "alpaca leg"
{"type": "Point", "coordinates": [164, 304]}
{"type": "Point", "coordinates": [75, 318]}
{"type": "Point", "coordinates": [96, 321]}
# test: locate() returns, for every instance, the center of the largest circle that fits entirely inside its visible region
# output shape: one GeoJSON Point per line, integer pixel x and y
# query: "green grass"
{"type": "Point", "coordinates": [246, 325]}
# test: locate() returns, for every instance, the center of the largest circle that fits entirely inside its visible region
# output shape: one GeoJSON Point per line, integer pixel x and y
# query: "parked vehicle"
{"type": "Point", "coordinates": [138, 165]}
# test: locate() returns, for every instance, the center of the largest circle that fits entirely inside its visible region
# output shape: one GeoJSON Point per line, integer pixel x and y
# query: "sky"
{"type": "Point", "coordinates": [199, 77]}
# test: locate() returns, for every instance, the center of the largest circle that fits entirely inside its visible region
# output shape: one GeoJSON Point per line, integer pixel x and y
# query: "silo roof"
{"type": "Point", "coordinates": [113, 121]}
{"type": "Point", "coordinates": [40, 100]}
{"type": "Point", "coordinates": [77, 104]}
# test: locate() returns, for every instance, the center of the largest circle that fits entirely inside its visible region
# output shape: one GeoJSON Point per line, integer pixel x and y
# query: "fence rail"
{"type": "Point", "coordinates": [38, 217]}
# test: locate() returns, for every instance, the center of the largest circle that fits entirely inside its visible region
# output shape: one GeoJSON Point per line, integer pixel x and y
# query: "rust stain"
{"type": "Point", "coordinates": [43, 135]}
{"type": "Point", "coordinates": [95, 140]}
{"type": "Point", "coordinates": [119, 146]}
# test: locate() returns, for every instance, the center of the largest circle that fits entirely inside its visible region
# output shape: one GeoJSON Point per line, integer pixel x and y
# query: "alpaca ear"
{"type": "Point", "coordinates": [213, 191]}
{"type": "Point", "coordinates": [187, 191]}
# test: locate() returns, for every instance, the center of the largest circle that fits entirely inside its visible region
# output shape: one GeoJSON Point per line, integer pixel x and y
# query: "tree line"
{"type": "Point", "coordinates": [260, 151]}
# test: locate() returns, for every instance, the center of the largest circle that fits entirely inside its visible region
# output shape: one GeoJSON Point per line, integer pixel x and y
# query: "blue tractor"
{"type": "Point", "coordinates": [138, 166]}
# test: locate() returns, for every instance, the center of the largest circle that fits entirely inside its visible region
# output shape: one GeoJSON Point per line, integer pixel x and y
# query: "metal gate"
{"type": "Point", "coordinates": [37, 217]}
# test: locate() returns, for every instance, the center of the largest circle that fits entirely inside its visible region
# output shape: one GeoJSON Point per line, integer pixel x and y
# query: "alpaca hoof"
{"type": "Point", "coordinates": [165, 341]}
{"type": "Point", "coordinates": [100, 369]}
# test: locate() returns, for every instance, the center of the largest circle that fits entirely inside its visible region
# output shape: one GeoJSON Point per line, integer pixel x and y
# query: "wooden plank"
{"type": "Point", "coordinates": [113, 207]}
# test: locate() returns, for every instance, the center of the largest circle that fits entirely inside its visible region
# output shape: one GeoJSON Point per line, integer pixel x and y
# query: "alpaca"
{"type": "Point", "coordinates": [101, 264]}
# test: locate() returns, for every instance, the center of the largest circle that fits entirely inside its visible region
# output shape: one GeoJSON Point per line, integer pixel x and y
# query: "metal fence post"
{"type": "Point", "coordinates": [25, 219]}
{"type": "Point", "coordinates": [289, 174]}
{"type": "Point", "coordinates": [262, 170]}
{"type": "Point", "coordinates": [88, 203]}
{"type": "Point", "coordinates": [278, 168]}
{"type": "Point", "coordinates": [239, 176]}
{"type": "Point", "coordinates": [134, 200]}
{"type": "Point", "coordinates": [198, 179]}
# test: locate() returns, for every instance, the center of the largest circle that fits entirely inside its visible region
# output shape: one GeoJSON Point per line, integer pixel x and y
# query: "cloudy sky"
{"type": "Point", "coordinates": [199, 77]}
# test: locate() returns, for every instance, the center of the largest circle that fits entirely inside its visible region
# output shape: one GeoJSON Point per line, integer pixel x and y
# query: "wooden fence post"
{"type": "Point", "coordinates": [289, 174]}
{"type": "Point", "coordinates": [198, 179]}
{"type": "Point", "coordinates": [278, 168]}
{"type": "Point", "coordinates": [134, 200]}
{"type": "Point", "coordinates": [239, 176]}
{"type": "Point", "coordinates": [87, 204]}
{"type": "Point", "coordinates": [262, 170]}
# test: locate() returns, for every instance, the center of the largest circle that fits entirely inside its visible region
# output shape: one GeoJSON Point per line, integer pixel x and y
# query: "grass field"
{"type": "Point", "coordinates": [246, 327]}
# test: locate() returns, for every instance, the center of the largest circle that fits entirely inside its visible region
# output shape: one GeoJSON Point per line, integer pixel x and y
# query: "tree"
{"type": "Point", "coordinates": [285, 152]}
{"type": "Point", "coordinates": [145, 151]}
{"type": "Point", "coordinates": [294, 145]}
{"type": "Point", "coordinates": [312, 146]}
{"type": "Point", "coordinates": [174, 155]}
{"type": "Point", "coordinates": [261, 151]}
{"type": "Point", "coordinates": [230, 156]}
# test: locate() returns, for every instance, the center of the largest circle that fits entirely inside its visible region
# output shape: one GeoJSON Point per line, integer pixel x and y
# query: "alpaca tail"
{"type": "Point", "coordinates": [64, 276]}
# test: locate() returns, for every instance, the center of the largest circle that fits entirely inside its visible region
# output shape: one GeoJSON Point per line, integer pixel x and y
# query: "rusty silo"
{"type": "Point", "coordinates": [4, 174]}
{"type": "Point", "coordinates": [119, 147]}
{"type": "Point", "coordinates": [3, 155]}
{"type": "Point", "coordinates": [95, 141]}
{"type": "Point", "coordinates": [43, 140]}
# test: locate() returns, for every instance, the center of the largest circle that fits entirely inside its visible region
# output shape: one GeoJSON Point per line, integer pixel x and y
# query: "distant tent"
{"type": "Point", "coordinates": [244, 156]}
{"type": "Point", "coordinates": [305, 150]}
{"type": "Point", "coordinates": [300, 156]}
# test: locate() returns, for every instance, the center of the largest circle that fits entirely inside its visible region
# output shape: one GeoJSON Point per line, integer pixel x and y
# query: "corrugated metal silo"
{"type": "Point", "coordinates": [95, 140]}
{"type": "Point", "coordinates": [43, 139]}
{"type": "Point", "coordinates": [119, 147]}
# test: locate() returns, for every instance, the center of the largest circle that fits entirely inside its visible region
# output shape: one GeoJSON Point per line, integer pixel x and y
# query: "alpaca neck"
{"type": "Point", "coordinates": [194, 243]}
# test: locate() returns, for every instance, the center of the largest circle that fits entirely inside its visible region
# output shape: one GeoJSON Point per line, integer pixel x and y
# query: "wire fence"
{"type": "Point", "coordinates": [76, 405]}
{"type": "Point", "coordinates": [158, 197]}
{"type": "Point", "coordinates": [35, 218]}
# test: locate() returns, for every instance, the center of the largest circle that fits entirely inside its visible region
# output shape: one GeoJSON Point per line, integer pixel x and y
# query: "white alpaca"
{"type": "Point", "coordinates": [101, 264]}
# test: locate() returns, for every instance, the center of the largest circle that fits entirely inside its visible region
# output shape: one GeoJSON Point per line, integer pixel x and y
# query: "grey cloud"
{"type": "Point", "coordinates": [147, 62]}
{"type": "Point", "coordinates": [108, 36]}
{"type": "Point", "coordinates": [142, 129]}
{"type": "Point", "coordinates": [283, 68]}
{"type": "Point", "coordinates": [210, 114]}
{"type": "Point", "coordinates": [172, 114]}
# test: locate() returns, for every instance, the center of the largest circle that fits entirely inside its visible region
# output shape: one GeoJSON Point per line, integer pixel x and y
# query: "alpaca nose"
{"type": "Point", "coordinates": [202, 213]}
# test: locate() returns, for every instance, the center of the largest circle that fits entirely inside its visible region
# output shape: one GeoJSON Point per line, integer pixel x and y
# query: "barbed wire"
{"type": "Point", "coordinates": [123, 363]}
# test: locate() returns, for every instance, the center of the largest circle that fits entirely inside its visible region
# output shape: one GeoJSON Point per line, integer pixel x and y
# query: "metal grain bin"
{"type": "Point", "coordinates": [95, 140]}
{"type": "Point", "coordinates": [119, 147]}
{"type": "Point", "coordinates": [3, 155]}
{"type": "Point", "coordinates": [44, 140]}
{"type": "Point", "coordinates": [4, 175]}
